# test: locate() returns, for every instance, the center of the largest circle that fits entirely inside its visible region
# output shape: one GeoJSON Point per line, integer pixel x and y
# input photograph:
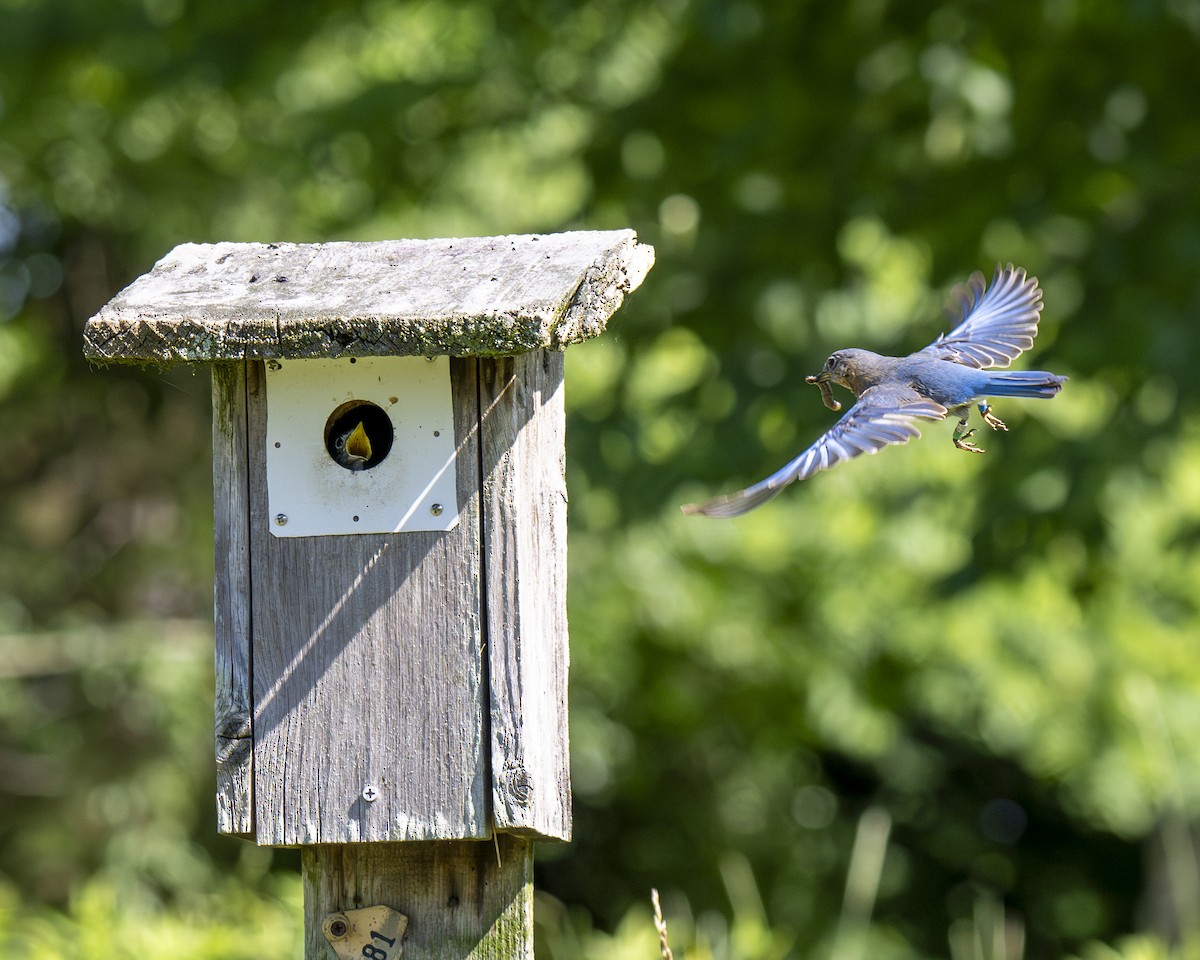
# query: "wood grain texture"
{"type": "Point", "coordinates": [462, 898]}
{"type": "Point", "coordinates": [368, 668]}
{"type": "Point", "coordinates": [231, 601]}
{"type": "Point", "coordinates": [478, 296]}
{"type": "Point", "coordinates": [525, 559]}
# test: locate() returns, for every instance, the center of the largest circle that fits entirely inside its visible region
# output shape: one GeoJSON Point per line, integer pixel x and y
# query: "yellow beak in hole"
{"type": "Point", "coordinates": [356, 448]}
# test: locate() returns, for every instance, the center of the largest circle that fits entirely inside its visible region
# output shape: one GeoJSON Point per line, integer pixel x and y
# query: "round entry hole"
{"type": "Point", "coordinates": [359, 435]}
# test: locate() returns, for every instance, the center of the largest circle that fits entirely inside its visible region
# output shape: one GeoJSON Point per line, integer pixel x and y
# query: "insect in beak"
{"type": "Point", "coordinates": [822, 380]}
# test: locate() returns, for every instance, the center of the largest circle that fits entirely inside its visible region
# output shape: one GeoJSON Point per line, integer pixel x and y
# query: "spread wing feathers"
{"type": "Point", "coordinates": [884, 415]}
{"type": "Point", "coordinates": [996, 326]}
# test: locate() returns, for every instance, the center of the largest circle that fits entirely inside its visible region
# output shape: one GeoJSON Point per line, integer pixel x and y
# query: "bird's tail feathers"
{"type": "Point", "coordinates": [1023, 383]}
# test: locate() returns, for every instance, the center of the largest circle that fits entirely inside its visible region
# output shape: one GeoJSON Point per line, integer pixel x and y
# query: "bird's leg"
{"type": "Point", "coordinates": [990, 418]}
{"type": "Point", "coordinates": [962, 436]}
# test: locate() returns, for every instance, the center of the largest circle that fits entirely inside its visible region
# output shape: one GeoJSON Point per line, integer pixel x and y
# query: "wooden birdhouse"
{"type": "Point", "coordinates": [390, 507]}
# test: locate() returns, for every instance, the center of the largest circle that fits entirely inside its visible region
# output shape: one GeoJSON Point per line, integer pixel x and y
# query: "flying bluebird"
{"type": "Point", "coordinates": [996, 326]}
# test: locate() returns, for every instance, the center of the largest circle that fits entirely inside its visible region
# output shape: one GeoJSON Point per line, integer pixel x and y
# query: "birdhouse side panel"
{"type": "Point", "coordinates": [231, 601]}
{"type": "Point", "coordinates": [525, 554]}
{"type": "Point", "coordinates": [367, 653]}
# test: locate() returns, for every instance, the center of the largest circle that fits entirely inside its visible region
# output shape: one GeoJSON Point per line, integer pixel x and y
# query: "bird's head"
{"type": "Point", "coordinates": [838, 369]}
{"type": "Point", "coordinates": [856, 370]}
{"type": "Point", "coordinates": [353, 448]}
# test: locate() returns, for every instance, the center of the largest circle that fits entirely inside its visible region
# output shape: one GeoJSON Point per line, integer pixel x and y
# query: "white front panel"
{"type": "Point", "coordinates": [413, 487]}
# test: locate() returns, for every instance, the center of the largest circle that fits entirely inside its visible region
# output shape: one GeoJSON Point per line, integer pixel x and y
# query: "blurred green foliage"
{"type": "Point", "coordinates": [231, 922]}
{"type": "Point", "coordinates": [997, 651]}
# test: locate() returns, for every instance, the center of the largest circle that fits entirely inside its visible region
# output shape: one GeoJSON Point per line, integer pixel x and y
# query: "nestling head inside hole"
{"type": "Point", "coordinates": [359, 435]}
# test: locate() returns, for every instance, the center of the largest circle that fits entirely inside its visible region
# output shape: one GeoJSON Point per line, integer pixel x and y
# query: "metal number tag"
{"type": "Point", "coordinates": [374, 933]}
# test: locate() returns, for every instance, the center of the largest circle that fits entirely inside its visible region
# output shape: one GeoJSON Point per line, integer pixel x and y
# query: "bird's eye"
{"type": "Point", "coordinates": [340, 442]}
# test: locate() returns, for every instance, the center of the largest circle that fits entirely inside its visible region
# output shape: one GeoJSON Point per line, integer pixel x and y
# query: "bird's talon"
{"type": "Point", "coordinates": [994, 421]}
{"type": "Point", "coordinates": [961, 437]}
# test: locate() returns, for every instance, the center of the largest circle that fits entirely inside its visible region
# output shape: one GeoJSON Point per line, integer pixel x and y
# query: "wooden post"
{"type": "Point", "coordinates": [391, 634]}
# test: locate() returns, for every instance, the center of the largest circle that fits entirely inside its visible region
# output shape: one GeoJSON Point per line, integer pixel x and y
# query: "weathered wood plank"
{"type": "Point", "coordinates": [475, 296]}
{"type": "Point", "coordinates": [525, 558]}
{"type": "Point", "coordinates": [231, 601]}
{"type": "Point", "coordinates": [368, 667]}
{"type": "Point", "coordinates": [462, 898]}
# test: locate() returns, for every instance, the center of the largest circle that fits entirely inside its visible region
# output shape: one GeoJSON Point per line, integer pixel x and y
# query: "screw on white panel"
{"type": "Point", "coordinates": [370, 793]}
{"type": "Point", "coordinates": [281, 519]}
{"type": "Point", "coordinates": [436, 509]}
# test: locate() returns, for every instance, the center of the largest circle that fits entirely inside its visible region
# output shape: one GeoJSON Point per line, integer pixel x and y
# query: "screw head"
{"type": "Point", "coordinates": [370, 793]}
{"type": "Point", "coordinates": [281, 519]}
{"type": "Point", "coordinates": [338, 929]}
{"type": "Point", "coordinates": [436, 509]}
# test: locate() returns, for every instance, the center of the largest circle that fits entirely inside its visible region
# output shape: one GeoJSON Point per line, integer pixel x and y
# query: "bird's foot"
{"type": "Point", "coordinates": [962, 437]}
{"type": "Point", "coordinates": [991, 419]}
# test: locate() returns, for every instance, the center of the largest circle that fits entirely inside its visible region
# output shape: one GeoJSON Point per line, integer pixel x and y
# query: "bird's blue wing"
{"type": "Point", "coordinates": [997, 325]}
{"type": "Point", "coordinates": [884, 415]}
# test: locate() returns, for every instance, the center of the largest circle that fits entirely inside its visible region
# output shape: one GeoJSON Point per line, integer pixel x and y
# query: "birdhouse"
{"type": "Point", "coordinates": [390, 520]}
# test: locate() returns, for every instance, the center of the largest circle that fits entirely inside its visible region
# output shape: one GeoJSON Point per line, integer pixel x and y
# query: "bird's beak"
{"type": "Point", "coordinates": [358, 444]}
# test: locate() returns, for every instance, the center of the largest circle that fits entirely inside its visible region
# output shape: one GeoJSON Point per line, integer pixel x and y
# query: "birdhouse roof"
{"type": "Point", "coordinates": [458, 297]}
